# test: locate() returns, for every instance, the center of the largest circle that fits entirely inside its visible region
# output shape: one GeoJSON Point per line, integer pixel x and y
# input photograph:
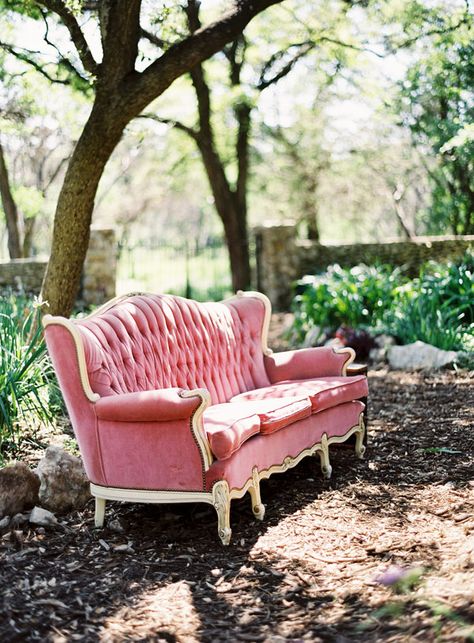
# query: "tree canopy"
{"type": "Point", "coordinates": [337, 114]}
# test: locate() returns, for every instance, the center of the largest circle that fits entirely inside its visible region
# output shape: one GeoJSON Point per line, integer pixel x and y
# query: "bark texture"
{"type": "Point", "coordinates": [75, 206]}
{"type": "Point", "coordinates": [231, 203]}
{"type": "Point", "coordinates": [230, 200]}
{"type": "Point", "coordinates": [15, 249]}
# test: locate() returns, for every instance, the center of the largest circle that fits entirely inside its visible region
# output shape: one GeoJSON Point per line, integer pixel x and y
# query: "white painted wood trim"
{"type": "Point", "coordinates": [351, 358]}
{"type": "Point", "coordinates": [197, 425]}
{"type": "Point", "coordinates": [149, 496]}
{"type": "Point", "coordinates": [49, 320]}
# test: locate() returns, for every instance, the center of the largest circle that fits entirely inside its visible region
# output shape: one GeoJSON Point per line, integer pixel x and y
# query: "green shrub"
{"type": "Point", "coordinates": [25, 372]}
{"type": "Point", "coordinates": [358, 297]}
{"type": "Point", "coordinates": [422, 318]}
{"type": "Point", "coordinates": [439, 309]}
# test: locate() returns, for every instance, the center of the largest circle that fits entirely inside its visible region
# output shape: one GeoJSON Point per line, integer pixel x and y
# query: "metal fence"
{"type": "Point", "coordinates": [189, 269]}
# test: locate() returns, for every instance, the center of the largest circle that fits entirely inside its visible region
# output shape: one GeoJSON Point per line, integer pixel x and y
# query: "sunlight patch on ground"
{"type": "Point", "coordinates": [341, 559]}
{"type": "Point", "coordinates": [157, 614]}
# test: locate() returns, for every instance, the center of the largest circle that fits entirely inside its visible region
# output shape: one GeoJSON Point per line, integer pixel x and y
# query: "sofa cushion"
{"type": "Point", "coordinates": [228, 426]}
{"type": "Point", "coordinates": [275, 414]}
{"type": "Point", "coordinates": [324, 392]}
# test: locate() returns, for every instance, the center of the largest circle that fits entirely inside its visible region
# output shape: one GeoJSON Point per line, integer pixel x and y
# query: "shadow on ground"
{"type": "Point", "coordinates": [307, 572]}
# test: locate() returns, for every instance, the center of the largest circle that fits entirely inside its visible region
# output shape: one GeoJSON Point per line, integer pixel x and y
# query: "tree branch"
{"type": "Point", "coordinates": [120, 29]}
{"type": "Point", "coordinates": [194, 134]}
{"type": "Point", "coordinates": [287, 67]}
{"type": "Point", "coordinates": [141, 88]}
{"type": "Point", "coordinates": [155, 40]}
{"type": "Point", "coordinates": [304, 48]}
{"type": "Point", "coordinates": [24, 55]}
{"type": "Point", "coordinates": [77, 37]}
{"type": "Point", "coordinates": [231, 53]}
{"type": "Point", "coordinates": [63, 60]}
{"type": "Point", "coordinates": [431, 32]}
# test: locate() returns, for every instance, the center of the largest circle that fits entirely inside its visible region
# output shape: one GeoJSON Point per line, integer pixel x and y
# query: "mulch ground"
{"type": "Point", "coordinates": [310, 571]}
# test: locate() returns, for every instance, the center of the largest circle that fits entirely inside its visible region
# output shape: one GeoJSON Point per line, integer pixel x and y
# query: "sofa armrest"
{"type": "Point", "coordinates": [356, 369]}
{"type": "Point", "coordinates": [162, 405]}
{"type": "Point", "coordinates": [307, 363]}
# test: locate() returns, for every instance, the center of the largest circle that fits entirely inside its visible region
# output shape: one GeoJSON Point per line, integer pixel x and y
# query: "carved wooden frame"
{"type": "Point", "coordinates": [222, 495]}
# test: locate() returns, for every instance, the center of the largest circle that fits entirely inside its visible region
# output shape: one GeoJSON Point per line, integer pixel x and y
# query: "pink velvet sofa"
{"type": "Point", "coordinates": [177, 401]}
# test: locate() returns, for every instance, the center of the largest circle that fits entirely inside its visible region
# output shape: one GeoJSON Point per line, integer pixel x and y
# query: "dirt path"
{"type": "Point", "coordinates": [308, 572]}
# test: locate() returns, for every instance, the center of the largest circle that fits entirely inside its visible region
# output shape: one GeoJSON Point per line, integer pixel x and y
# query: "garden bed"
{"type": "Point", "coordinates": [309, 571]}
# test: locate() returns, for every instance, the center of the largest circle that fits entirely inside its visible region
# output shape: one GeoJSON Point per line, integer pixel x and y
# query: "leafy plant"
{"type": "Point", "coordinates": [436, 308]}
{"type": "Point", "coordinates": [25, 371]}
{"type": "Point", "coordinates": [354, 297]}
{"type": "Point", "coordinates": [439, 309]}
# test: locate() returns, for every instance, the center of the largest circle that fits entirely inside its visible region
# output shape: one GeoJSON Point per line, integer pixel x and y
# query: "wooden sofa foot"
{"type": "Point", "coordinates": [99, 512]}
{"type": "Point", "coordinates": [221, 502]}
{"type": "Point", "coordinates": [359, 445]}
{"type": "Point", "coordinates": [324, 457]}
{"type": "Point", "coordinates": [257, 507]}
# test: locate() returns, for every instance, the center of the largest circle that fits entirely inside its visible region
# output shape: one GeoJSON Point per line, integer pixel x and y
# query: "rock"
{"type": "Point", "coordinates": [64, 484]}
{"type": "Point", "coordinates": [419, 356]}
{"type": "Point", "coordinates": [465, 359]}
{"type": "Point", "coordinates": [384, 341]}
{"type": "Point", "coordinates": [378, 355]}
{"type": "Point", "coordinates": [116, 525]}
{"type": "Point", "coordinates": [334, 342]}
{"type": "Point", "coordinates": [43, 517]}
{"type": "Point", "coordinates": [4, 523]}
{"type": "Point", "coordinates": [18, 488]}
{"type": "Point", "coordinates": [20, 519]}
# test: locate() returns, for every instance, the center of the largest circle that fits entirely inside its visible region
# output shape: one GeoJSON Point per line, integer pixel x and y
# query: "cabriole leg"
{"type": "Point", "coordinates": [257, 507]}
{"type": "Point", "coordinates": [99, 512]}
{"type": "Point", "coordinates": [359, 445]}
{"type": "Point", "coordinates": [324, 456]}
{"type": "Point", "coordinates": [221, 502]}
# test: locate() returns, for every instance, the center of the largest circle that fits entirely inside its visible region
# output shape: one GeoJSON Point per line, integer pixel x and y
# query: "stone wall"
{"type": "Point", "coordinates": [100, 267]}
{"type": "Point", "coordinates": [282, 258]}
{"type": "Point", "coordinates": [99, 275]}
{"type": "Point", "coordinates": [23, 274]}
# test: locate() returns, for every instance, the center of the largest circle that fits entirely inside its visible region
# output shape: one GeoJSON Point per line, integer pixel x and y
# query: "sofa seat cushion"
{"type": "Point", "coordinates": [324, 392]}
{"type": "Point", "coordinates": [229, 425]}
{"type": "Point", "coordinates": [277, 413]}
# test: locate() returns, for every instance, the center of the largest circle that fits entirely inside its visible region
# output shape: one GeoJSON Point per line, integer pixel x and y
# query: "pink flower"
{"type": "Point", "coordinates": [392, 576]}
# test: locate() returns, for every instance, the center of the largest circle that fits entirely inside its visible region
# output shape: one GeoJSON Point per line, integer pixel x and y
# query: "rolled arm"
{"type": "Point", "coordinates": [162, 405]}
{"type": "Point", "coordinates": [307, 363]}
{"type": "Point", "coordinates": [161, 408]}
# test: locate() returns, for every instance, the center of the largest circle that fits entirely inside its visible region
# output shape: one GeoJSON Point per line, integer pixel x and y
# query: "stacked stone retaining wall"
{"type": "Point", "coordinates": [282, 258]}
{"type": "Point", "coordinates": [98, 282]}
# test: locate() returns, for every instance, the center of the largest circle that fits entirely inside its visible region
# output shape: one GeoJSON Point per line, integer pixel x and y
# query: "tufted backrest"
{"type": "Point", "coordinates": [145, 342]}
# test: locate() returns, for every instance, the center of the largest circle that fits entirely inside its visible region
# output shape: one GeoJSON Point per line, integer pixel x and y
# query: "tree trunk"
{"type": "Point", "coordinates": [234, 219]}
{"type": "Point", "coordinates": [235, 230]}
{"type": "Point", "coordinates": [11, 211]}
{"type": "Point", "coordinates": [122, 93]}
{"type": "Point", "coordinates": [310, 207]}
{"type": "Point", "coordinates": [29, 226]}
{"type": "Point", "coordinates": [231, 205]}
{"type": "Point", "coordinates": [75, 206]}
